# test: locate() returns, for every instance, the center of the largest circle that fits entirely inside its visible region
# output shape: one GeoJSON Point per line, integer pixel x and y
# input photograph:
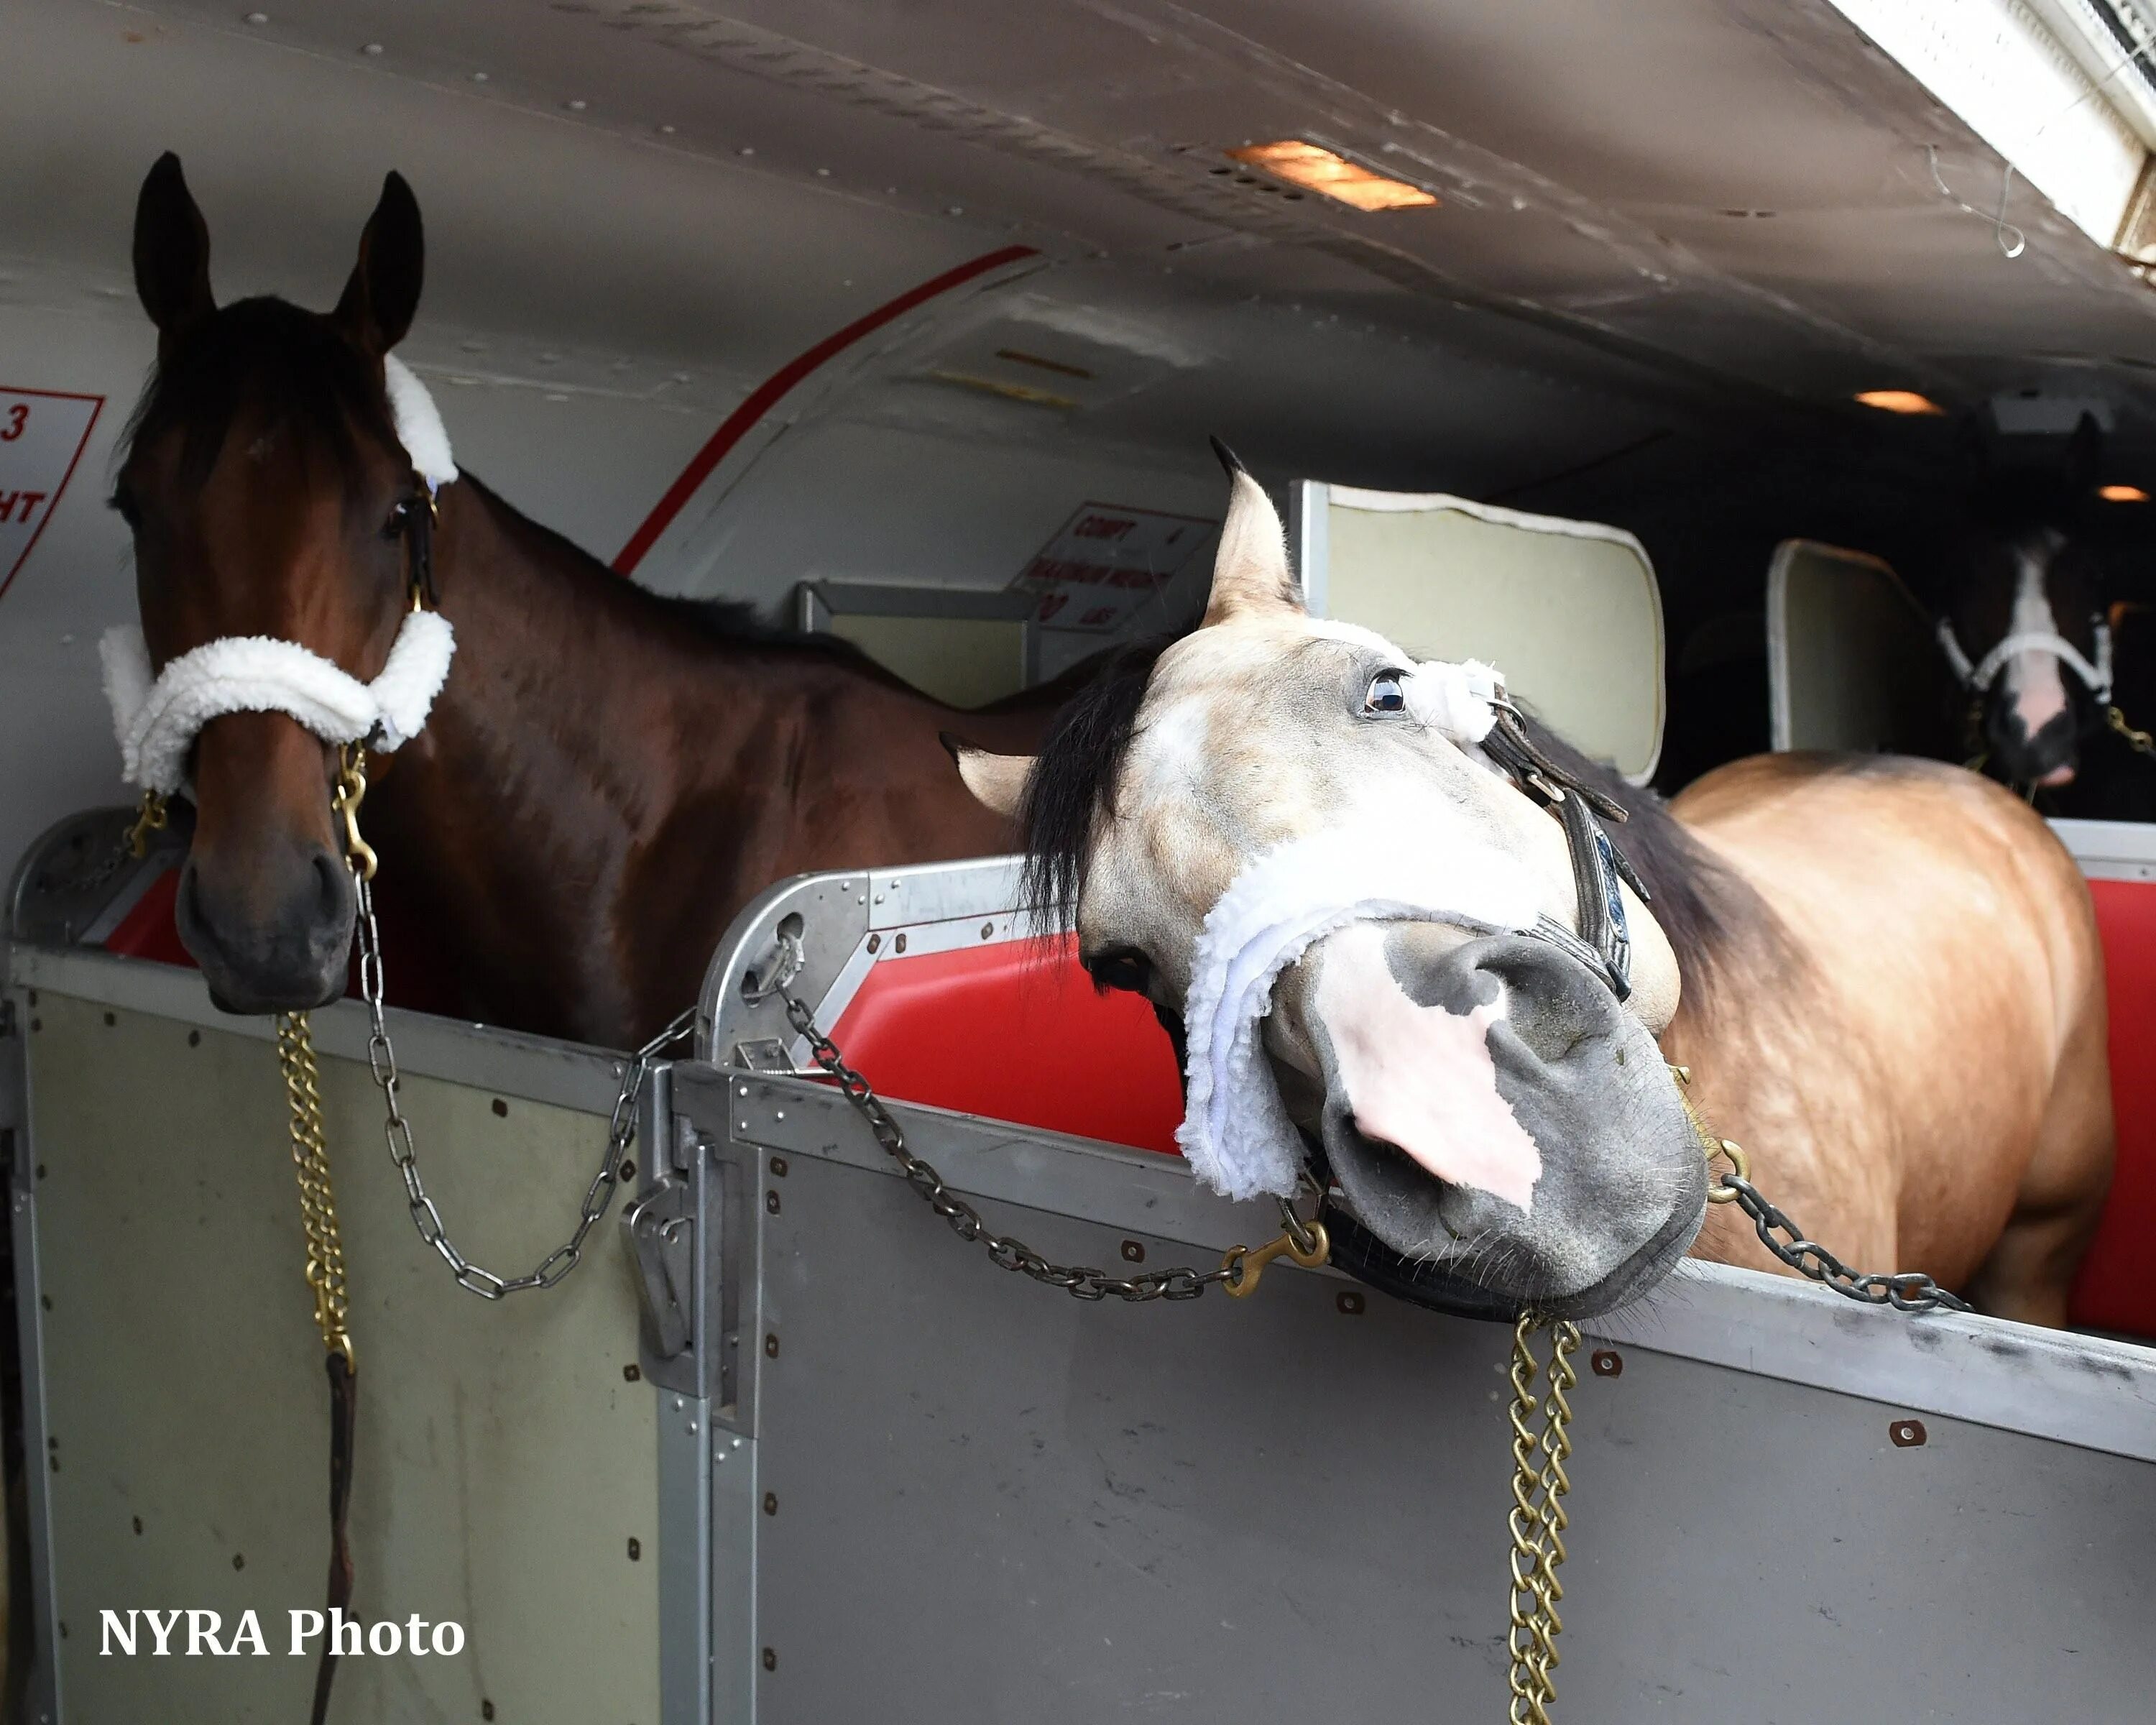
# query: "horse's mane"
{"type": "Point", "coordinates": [1707, 911]}
{"type": "Point", "coordinates": [312, 381]}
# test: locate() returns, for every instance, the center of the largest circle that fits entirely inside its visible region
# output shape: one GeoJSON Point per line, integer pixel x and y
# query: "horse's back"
{"type": "Point", "coordinates": [1945, 1025]}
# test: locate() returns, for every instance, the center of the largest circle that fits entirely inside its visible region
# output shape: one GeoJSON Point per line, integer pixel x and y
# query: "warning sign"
{"type": "Point", "coordinates": [42, 436]}
{"type": "Point", "coordinates": [1107, 561]}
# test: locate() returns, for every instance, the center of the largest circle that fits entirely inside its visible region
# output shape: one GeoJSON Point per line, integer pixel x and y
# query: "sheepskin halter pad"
{"type": "Point", "coordinates": [1236, 1132]}
{"type": "Point", "coordinates": [157, 717]}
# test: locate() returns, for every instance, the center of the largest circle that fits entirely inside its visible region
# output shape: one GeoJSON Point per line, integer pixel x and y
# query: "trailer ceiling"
{"type": "Point", "coordinates": [1684, 207]}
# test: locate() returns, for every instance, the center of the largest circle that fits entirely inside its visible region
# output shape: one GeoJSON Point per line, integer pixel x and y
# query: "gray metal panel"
{"type": "Point", "coordinates": [994, 1504]}
{"type": "Point", "coordinates": [504, 1461]}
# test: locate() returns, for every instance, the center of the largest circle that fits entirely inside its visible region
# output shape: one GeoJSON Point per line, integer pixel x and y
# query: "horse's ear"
{"type": "Point", "coordinates": [1250, 571]}
{"type": "Point", "coordinates": [996, 781]}
{"type": "Point", "coordinates": [171, 252]}
{"type": "Point", "coordinates": [2084, 454]}
{"type": "Point", "coordinates": [384, 293]}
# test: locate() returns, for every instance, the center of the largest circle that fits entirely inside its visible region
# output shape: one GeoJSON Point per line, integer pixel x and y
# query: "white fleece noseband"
{"type": "Point", "coordinates": [156, 718]}
{"type": "Point", "coordinates": [1236, 1132]}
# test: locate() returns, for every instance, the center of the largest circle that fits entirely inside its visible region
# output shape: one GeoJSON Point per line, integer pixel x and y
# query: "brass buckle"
{"type": "Point", "coordinates": [349, 792]}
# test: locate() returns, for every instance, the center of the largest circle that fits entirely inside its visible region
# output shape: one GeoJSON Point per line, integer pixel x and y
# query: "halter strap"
{"type": "Point", "coordinates": [1979, 677]}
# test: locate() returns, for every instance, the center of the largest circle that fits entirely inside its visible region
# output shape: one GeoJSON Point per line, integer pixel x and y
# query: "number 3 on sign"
{"type": "Point", "coordinates": [42, 435]}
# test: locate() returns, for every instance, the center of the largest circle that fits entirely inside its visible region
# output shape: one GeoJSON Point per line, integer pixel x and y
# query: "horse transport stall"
{"type": "Point", "coordinates": [908, 327]}
{"type": "Point", "coordinates": [787, 1449]}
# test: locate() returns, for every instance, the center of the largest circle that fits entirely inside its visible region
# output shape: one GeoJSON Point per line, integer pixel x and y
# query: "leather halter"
{"type": "Point", "coordinates": [1599, 869]}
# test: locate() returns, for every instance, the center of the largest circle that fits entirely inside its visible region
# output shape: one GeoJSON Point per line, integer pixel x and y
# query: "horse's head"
{"type": "Point", "coordinates": [2024, 625]}
{"type": "Point", "coordinates": [1486, 1102]}
{"type": "Point", "coordinates": [266, 489]}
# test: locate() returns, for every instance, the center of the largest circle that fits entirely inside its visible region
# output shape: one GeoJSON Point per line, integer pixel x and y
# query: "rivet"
{"type": "Point", "coordinates": [632, 1373]}
{"type": "Point", "coordinates": [109, 1021]}
{"type": "Point", "coordinates": [257, 18]}
{"type": "Point", "coordinates": [1607, 1361]}
{"type": "Point", "coordinates": [500, 1108]}
{"type": "Point", "coordinates": [372, 48]}
{"type": "Point", "coordinates": [743, 1090]}
{"type": "Point", "coordinates": [771, 1345]}
{"type": "Point", "coordinates": [678, 1405]}
{"type": "Point", "coordinates": [876, 941]}
{"type": "Point", "coordinates": [576, 104]}
{"type": "Point", "coordinates": [666, 131]}
{"type": "Point", "coordinates": [628, 1170]}
{"type": "Point", "coordinates": [823, 173]}
{"type": "Point", "coordinates": [194, 1039]}
{"type": "Point", "coordinates": [770, 1503]}
{"type": "Point", "coordinates": [735, 1444]}
{"type": "Point", "coordinates": [987, 929]}
{"type": "Point", "coordinates": [778, 1114]}
{"type": "Point", "coordinates": [770, 1659]}
{"type": "Point", "coordinates": [778, 1163]}
{"type": "Point", "coordinates": [745, 150]}
{"type": "Point", "coordinates": [771, 1203]}
{"type": "Point", "coordinates": [1348, 1303]}
{"type": "Point", "coordinates": [1908, 1433]}
{"type": "Point", "coordinates": [1133, 1252]}
{"type": "Point", "coordinates": [635, 1550]}
{"type": "Point", "coordinates": [480, 78]}
{"type": "Point", "coordinates": [693, 1427]}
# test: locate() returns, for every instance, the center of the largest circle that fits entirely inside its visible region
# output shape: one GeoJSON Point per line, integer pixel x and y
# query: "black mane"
{"type": "Point", "coordinates": [312, 382]}
{"type": "Point", "coordinates": [1704, 909]}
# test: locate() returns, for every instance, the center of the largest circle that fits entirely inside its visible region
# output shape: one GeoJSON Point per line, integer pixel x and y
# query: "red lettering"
{"type": "Point", "coordinates": [1097, 616]}
{"type": "Point", "coordinates": [1101, 527]}
{"type": "Point", "coordinates": [8, 505]}
{"type": "Point", "coordinates": [18, 417]}
{"type": "Point", "coordinates": [1050, 605]}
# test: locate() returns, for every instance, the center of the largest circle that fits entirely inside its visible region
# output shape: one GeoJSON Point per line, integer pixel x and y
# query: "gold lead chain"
{"type": "Point", "coordinates": [296, 1054]}
{"type": "Point", "coordinates": [1537, 1520]}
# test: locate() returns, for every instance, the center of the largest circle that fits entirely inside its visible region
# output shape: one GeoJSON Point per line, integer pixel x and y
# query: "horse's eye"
{"type": "Point", "coordinates": [400, 517]}
{"type": "Point", "coordinates": [1387, 693]}
{"type": "Point", "coordinates": [1123, 967]}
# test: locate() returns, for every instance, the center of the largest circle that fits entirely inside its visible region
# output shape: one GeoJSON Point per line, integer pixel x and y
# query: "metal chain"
{"type": "Point", "coordinates": [1537, 1520]}
{"type": "Point", "coordinates": [2139, 740]}
{"type": "Point", "coordinates": [1908, 1291]}
{"type": "Point", "coordinates": [397, 1131]}
{"type": "Point", "coordinates": [1238, 1271]}
{"type": "Point", "coordinates": [295, 1056]}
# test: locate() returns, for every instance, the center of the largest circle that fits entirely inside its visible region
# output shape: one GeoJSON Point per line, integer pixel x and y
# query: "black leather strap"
{"type": "Point", "coordinates": [344, 1408]}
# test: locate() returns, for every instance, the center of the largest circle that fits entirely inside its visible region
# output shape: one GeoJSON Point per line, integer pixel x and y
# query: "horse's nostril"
{"type": "Point", "coordinates": [333, 882]}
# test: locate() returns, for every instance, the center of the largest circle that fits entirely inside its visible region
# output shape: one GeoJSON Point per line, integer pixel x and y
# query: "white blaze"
{"type": "Point", "coordinates": [2033, 679]}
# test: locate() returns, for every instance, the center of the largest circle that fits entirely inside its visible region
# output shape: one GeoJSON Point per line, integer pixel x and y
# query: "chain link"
{"type": "Point", "coordinates": [396, 1131]}
{"type": "Point", "coordinates": [318, 1216]}
{"type": "Point", "coordinates": [1079, 1281]}
{"type": "Point", "coordinates": [1537, 1520]}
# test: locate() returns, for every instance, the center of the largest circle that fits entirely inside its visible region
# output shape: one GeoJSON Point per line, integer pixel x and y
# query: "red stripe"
{"type": "Point", "coordinates": [768, 395]}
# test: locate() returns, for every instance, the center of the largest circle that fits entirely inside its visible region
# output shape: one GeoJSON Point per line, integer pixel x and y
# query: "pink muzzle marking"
{"type": "Point", "coordinates": [1420, 1078]}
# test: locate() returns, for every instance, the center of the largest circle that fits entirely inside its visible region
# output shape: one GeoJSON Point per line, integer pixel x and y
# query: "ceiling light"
{"type": "Point", "coordinates": [2122, 493]}
{"type": "Point", "coordinates": [1899, 401]}
{"type": "Point", "coordinates": [1321, 171]}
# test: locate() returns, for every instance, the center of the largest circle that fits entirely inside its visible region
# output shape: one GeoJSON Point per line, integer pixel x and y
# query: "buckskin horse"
{"type": "Point", "coordinates": [605, 778]}
{"type": "Point", "coordinates": [1404, 952]}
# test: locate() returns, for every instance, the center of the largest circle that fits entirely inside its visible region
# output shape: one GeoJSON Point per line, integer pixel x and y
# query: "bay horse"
{"type": "Point", "coordinates": [1882, 974]}
{"type": "Point", "coordinates": [2059, 676]}
{"type": "Point", "coordinates": [607, 776]}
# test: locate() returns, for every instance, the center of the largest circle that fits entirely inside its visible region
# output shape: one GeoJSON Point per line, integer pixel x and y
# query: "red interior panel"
{"type": "Point", "coordinates": [2116, 1289]}
{"type": "Point", "coordinates": [1016, 1031]}
{"type": "Point", "coordinates": [147, 930]}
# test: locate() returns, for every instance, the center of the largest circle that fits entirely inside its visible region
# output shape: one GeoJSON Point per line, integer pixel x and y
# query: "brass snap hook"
{"type": "Point", "coordinates": [349, 792]}
{"type": "Point", "coordinates": [1740, 1165]}
{"type": "Point", "coordinates": [1245, 1266]}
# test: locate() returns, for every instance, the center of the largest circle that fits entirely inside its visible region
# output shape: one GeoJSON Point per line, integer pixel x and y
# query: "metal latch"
{"type": "Point", "coordinates": [662, 1234]}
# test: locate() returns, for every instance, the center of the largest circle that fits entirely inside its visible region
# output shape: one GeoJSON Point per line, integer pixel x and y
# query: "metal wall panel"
{"type": "Point", "coordinates": [504, 1461]}
{"type": "Point", "coordinates": [988, 1502]}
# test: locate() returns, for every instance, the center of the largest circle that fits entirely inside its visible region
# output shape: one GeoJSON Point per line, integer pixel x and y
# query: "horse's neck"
{"type": "Point", "coordinates": [542, 767]}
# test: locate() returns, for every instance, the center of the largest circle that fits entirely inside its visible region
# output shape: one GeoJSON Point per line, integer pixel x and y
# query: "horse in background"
{"type": "Point", "coordinates": [606, 778]}
{"type": "Point", "coordinates": [2060, 669]}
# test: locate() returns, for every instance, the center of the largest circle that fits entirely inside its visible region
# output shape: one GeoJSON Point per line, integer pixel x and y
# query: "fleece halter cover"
{"type": "Point", "coordinates": [157, 717]}
{"type": "Point", "coordinates": [1236, 1132]}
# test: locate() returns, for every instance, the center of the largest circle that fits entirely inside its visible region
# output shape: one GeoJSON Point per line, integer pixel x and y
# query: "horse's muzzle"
{"type": "Point", "coordinates": [279, 940]}
{"type": "Point", "coordinates": [1490, 1108]}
